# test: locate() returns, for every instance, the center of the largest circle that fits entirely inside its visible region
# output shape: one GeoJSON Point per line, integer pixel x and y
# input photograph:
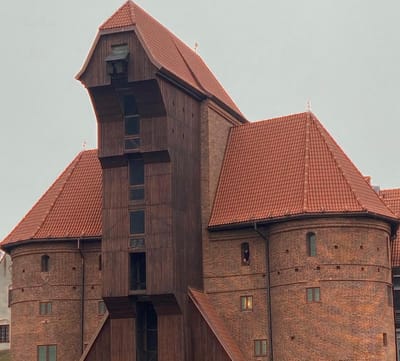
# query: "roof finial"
{"type": "Point", "coordinates": [308, 108]}
{"type": "Point", "coordinates": [84, 145]}
{"type": "Point", "coordinates": [196, 46]}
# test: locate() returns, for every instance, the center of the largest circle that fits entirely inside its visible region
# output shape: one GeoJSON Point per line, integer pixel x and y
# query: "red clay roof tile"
{"type": "Point", "coordinates": [70, 208]}
{"type": "Point", "coordinates": [392, 198]}
{"type": "Point", "coordinates": [216, 324]}
{"type": "Point", "coordinates": [288, 166]}
{"type": "Point", "coordinates": [167, 52]}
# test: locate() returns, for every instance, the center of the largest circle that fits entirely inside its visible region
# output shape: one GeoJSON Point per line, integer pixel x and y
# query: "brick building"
{"type": "Point", "coordinates": [205, 236]}
{"type": "Point", "coordinates": [5, 281]}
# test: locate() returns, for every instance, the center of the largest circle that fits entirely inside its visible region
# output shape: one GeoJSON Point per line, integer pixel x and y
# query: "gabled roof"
{"type": "Point", "coordinates": [71, 207]}
{"type": "Point", "coordinates": [216, 324]}
{"type": "Point", "coordinates": [392, 198]}
{"type": "Point", "coordinates": [169, 54]}
{"type": "Point", "coordinates": [287, 167]}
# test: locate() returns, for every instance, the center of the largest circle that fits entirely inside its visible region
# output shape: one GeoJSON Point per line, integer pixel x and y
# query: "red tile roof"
{"type": "Point", "coordinates": [392, 198]}
{"type": "Point", "coordinates": [285, 167]}
{"type": "Point", "coordinates": [216, 324]}
{"type": "Point", "coordinates": [70, 208]}
{"type": "Point", "coordinates": [167, 52]}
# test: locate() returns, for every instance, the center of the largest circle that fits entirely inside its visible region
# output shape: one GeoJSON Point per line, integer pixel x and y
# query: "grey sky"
{"type": "Point", "coordinates": [271, 57]}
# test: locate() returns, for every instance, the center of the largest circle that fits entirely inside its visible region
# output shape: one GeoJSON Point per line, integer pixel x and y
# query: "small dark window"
{"type": "Point", "coordinates": [384, 339]}
{"type": "Point", "coordinates": [45, 308]}
{"type": "Point", "coordinates": [246, 303]}
{"type": "Point", "coordinates": [245, 254]}
{"type": "Point", "coordinates": [132, 123]}
{"type": "Point", "coordinates": [137, 271]}
{"type": "Point", "coordinates": [311, 244]}
{"type": "Point", "coordinates": [137, 222]}
{"type": "Point", "coordinates": [47, 353]}
{"type": "Point", "coordinates": [260, 347]}
{"type": "Point", "coordinates": [100, 263]}
{"type": "Point", "coordinates": [101, 308]}
{"type": "Point", "coordinates": [313, 294]}
{"type": "Point", "coordinates": [4, 333]}
{"type": "Point", "coordinates": [45, 263]}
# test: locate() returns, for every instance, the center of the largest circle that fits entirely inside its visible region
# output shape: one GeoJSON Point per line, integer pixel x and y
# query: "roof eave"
{"type": "Point", "coordinates": [9, 245]}
{"type": "Point", "coordinates": [394, 222]}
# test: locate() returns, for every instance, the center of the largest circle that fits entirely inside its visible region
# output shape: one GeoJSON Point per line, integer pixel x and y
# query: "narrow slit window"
{"type": "Point", "coordinates": [245, 253]}
{"type": "Point", "coordinates": [45, 263]}
{"type": "Point", "coordinates": [384, 339]}
{"type": "Point", "coordinates": [311, 244]}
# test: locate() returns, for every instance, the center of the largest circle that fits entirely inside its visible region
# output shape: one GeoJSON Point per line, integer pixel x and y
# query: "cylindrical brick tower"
{"type": "Point", "coordinates": [331, 290]}
{"type": "Point", "coordinates": [51, 295]}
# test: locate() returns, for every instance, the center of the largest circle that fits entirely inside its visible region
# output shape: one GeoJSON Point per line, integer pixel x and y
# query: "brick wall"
{"type": "Point", "coordinates": [62, 286]}
{"type": "Point", "coordinates": [352, 271]}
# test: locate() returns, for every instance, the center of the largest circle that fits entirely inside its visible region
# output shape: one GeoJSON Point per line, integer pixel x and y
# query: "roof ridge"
{"type": "Point", "coordinates": [72, 168]}
{"type": "Point", "coordinates": [336, 161]}
{"type": "Point", "coordinates": [174, 38]}
{"type": "Point", "coordinates": [306, 163]}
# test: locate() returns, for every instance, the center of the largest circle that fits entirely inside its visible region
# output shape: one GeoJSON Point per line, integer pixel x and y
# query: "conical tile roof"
{"type": "Point", "coordinates": [70, 208]}
{"type": "Point", "coordinates": [285, 167]}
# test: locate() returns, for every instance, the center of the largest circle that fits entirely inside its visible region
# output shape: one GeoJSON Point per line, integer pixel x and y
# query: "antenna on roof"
{"type": "Point", "coordinates": [84, 145]}
{"type": "Point", "coordinates": [196, 46]}
{"type": "Point", "coordinates": [308, 108]}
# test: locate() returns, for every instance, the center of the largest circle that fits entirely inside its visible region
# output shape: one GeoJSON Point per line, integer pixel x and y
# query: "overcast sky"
{"type": "Point", "coordinates": [271, 57]}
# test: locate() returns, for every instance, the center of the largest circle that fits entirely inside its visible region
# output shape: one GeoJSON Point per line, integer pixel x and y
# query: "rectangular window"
{"type": "Point", "coordinates": [45, 308]}
{"type": "Point", "coordinates": [136, 243]}
{"type": "Point", "coordinates": [47, 353]}
{"type": "Point", "coordinates": [136, 222]}
{"type": "Point", "coordinates": [311, 245]}
{"type": "Point", "coordinates": [313, 294]}
{"type": "Point", "coordinates": [260, 347]}
{"type": "Point", "coordinates": [136, 179]}
{"type": "Point", "coordinates": [384, 339]}
{"type": "Point", "coordinates": [245, 253]}
{"type": "Point", "coordinates": [246, 303]}
{"type": "Point", "coordinates": [146, 332]}
{"type": "Point", "coordinates": [4, 333]}
{"type": "Point", "coordinates": [132, 123]}
{"type": "Point", "coordinates": [137, 271]}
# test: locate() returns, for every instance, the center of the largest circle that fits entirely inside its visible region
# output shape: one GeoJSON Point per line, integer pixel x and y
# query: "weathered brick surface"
{"type": "Point", "coordinates": [62, 286]}
{"type": "Point", "coordinates": [352, 269]}
{"type": "Point", "coordinates": [226, 279]}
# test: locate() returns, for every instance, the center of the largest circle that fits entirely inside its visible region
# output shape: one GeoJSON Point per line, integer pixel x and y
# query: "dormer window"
{"type": "Point", "coordinates": [117, 61]}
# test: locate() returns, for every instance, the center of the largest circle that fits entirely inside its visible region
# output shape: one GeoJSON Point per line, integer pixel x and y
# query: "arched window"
{"type": "Point", "coordinates": [311, 244]}
{"type": "Point", "coordinates": [245, 254]}
{"type": "Point", "coordinates": [45, 263]}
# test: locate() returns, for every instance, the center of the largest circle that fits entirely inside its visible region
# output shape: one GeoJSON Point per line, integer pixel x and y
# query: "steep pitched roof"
{"type": "Point", "coordinates": [216, 324]}
{"type": "Point", "coordinates": [166, 51]}
{"type": "Point", "coordinates": [70, 208]}
{"type": "Point", "coordinates": [392, 198]}
{"type": "Point", "coordinates": [287, 167]}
